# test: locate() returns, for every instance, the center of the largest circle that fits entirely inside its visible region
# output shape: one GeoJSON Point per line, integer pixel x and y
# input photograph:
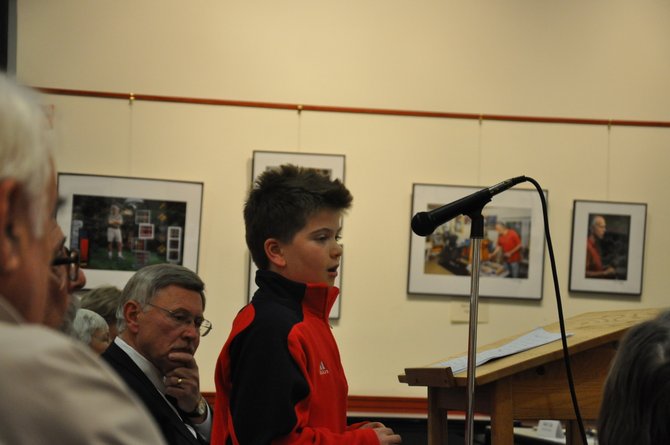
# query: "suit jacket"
{"type": "Point", "coordinates": [173, 427]}
{"type": "Point", "coordinates": [56, 391]}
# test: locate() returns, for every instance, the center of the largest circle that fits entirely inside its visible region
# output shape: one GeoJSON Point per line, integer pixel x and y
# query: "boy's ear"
{"type": "Point", "coordinates": [10, 216]}
{"type": "Point", "coordinates": [274, 252]}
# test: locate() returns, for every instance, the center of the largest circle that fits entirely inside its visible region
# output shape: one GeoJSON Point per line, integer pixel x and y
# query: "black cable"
{"type": "Point", "coordinates": [566, 356]}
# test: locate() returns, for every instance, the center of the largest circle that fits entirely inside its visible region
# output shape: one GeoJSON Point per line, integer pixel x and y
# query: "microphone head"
{"type": "Point", "coordinates": [422, 224]}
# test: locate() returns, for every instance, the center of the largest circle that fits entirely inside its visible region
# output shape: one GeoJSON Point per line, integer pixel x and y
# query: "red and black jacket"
{"type": "Point", "coordinates": [279, 378]}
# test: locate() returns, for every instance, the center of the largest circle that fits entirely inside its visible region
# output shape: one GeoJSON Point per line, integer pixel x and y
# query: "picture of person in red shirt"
{"type": "Point", "coordinates": [509, 245]}
{"type": "Point", "coordinates": [594, 262]}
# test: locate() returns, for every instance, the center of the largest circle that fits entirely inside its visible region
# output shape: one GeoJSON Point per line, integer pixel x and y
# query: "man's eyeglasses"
{"type": "Point", "coordinates": [71, 259]}
{"type": "Point", "coordinates": [184, 318]}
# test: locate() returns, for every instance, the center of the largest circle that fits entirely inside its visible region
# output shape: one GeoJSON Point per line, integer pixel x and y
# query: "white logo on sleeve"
{"type": "Point", "coordinates": [322, 369]}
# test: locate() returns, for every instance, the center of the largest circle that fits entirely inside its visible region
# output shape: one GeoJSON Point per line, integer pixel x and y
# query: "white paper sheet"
{"type": "Point", "coordinates": [533, 339]}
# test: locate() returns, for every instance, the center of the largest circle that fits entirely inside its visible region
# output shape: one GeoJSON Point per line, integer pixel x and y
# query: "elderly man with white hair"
{"type": "Point", "coordinates": [51, 386]}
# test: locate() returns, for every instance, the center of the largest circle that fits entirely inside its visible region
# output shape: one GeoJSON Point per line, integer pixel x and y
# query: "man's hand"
{"type": "Point", "coordinates": [183, 382]}
{"type": "Point", "coordinates": [385, 435]}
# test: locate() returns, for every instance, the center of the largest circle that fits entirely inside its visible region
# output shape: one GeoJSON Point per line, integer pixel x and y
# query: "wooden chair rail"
{"type": "Point", "coordinates": [131, 97]}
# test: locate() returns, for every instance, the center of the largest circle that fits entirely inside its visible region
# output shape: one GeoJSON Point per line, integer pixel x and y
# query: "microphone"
{"type": "Point", "coordinates": [425, 223]}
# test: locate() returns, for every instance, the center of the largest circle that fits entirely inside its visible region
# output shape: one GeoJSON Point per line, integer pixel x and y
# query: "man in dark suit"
{"type": "Point", "coordinates": [160, 321]}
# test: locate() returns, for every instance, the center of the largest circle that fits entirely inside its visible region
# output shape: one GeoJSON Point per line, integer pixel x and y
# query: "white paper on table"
{"type": "Point", "coordinates": [533, 339]}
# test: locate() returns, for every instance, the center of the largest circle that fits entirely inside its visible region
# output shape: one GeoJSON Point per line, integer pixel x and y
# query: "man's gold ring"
{"type": "Point", "coordinates": [179, 380]}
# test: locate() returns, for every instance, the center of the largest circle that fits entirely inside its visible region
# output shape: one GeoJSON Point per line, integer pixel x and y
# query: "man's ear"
{"type": "Point", "coordinates": [10, 216]}
{"type": "Point", "coordinates": [131, 313]}
{"type": "Point", "coordinates": [274, 252]}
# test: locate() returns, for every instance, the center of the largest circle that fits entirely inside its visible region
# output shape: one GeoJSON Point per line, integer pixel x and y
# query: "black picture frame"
{"type": "Point", "coordinates": [151, 212]}
{"type": "Point", "coordinates": [439, 263]}
{"type": "Point", "coordinates": [607, 248]}
{"type": "Point", "coordinates": [331, 165]}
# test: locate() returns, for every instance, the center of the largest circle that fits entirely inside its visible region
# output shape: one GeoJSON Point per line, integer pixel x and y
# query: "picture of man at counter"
{"type": "Point", "coordinates": [504, 249]}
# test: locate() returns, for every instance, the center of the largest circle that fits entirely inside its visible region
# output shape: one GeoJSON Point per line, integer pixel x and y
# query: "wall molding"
{"type": "Point", "coordinates": [131, 97]}
{"type": "Point", "coordinates": [410, 406]}
{"type": "Point", "coordinates": [384, 404]}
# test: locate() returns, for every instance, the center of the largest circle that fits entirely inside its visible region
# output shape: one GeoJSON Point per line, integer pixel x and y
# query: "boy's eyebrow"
{"type": "Point", "coordinates": [327, 230]}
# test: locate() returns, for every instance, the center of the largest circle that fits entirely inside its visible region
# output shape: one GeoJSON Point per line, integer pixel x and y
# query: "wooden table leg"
{"type": "Point", "coordinates": [437, 418]}
{"type": "Point", "coordinates": [502, 420]}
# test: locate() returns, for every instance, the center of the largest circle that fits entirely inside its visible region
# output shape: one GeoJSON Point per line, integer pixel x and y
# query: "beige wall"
{"type": "Point", "coordinates": [604, 59]}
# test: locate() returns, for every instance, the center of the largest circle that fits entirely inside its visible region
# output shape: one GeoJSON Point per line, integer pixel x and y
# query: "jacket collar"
{"type": "Point", "coordinates": [316, 298]}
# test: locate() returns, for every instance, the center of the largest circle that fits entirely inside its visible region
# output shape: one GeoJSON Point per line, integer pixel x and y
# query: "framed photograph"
{"type": "Point", "coordinates": [120, 224]}
{"type": "Point", "coordinates": [607, 250]}
{"type": "Point", "coordinates": [512, 250]}
{"type": "Point", "coordinates": [329, 165]}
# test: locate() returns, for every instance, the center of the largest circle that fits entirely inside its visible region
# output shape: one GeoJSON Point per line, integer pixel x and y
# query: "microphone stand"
{"type": "Point", "coordinates": [476, 235]}
{"type": "Point", "coordinates": [425, 223]}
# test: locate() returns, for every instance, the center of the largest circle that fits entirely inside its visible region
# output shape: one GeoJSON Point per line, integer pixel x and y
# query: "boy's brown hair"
{"type": "Point", "coordinates": [282, 200]}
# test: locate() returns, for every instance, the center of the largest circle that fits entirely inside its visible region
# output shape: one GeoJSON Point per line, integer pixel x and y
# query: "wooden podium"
{"type": "Point", "coordinates": [531, 385]}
